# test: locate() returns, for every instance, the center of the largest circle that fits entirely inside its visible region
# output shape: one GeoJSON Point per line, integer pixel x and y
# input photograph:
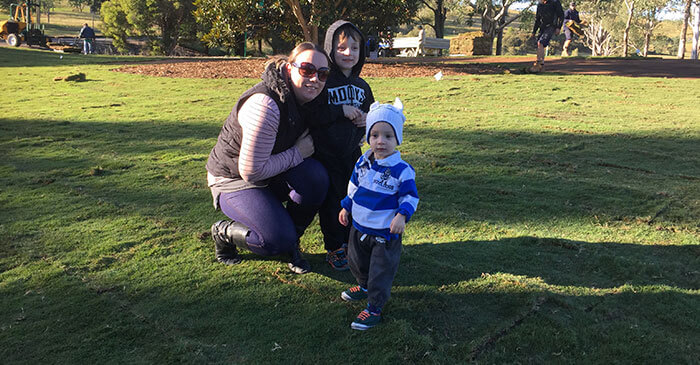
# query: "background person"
{"type": "Point", "coordinates": [570, 14]}
{"type": "Point", "coordinates": [548, 19]}
{"type": "Point", "coordinates": [261, 159]}
{"type": "Point", "coordinates": [88, 36]}
{"type": "Point", "coordinates": [421, 41]}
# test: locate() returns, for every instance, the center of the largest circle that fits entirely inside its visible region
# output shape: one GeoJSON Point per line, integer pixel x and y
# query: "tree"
{"type": "Point", "coordinates": [79, 4]}
{"type": "Point", "coordinates": [437, 7]}
{"type": "Point", "coordinates": [599, 35]}
{"type": "Point", "coordinates": [648, 20]}
{"type": "Point", "coordinates": [115, 23]}
{"type": "Point", "coordinates": [227, 18]}
{"type": "Point", "coordinates": [46, 6]}
{"type": "Point", "coordinates": [370, 15]}
{"type": "Point", "coordinates": [95, 5]}
{"type": "Point", "coordinates": [630, 13]}
{"type": "Point", "coordinates": [696, 33]}
{"type": "Point", "coordinates": [228, 23]}
{"type": "Point", "coordinates": [684, 29]}
{"type": "Point", "coordinates": [162, 22]}
{"type": "Point", "coordinates": [495, 17]}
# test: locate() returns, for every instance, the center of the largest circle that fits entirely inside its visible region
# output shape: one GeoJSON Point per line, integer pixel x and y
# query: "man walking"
{"type": "Point", "coordinates": [88, 36]}
{"type": "Point", "coordinates": [548, 20]}
{"type": "Point", "coordinates": [571, 14]}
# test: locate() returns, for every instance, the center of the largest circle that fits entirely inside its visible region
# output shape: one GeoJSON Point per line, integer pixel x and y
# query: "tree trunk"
{"type": "Point", "coordinates": [299, 14]}
{"type": "Point", "coordinates": [647, 38]}
{"type": "Point", "coordinates": [696, 33]}
{"type": "Point", "coordinates": [630, 14]}
{"type": "Point", "coordinates": [440, 16]}
{"type": "Point", "coordinates": [684, 29]}
{"type": "Point", "coordinates": [499, 35]}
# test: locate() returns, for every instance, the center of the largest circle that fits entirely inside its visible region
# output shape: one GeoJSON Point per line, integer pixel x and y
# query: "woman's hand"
{"type": "Point", "coordinates": [344, 217]}
{"type": "Point", "coordinates": [305, 144]}
{"type": "Point", "coordinates": [397, 224]}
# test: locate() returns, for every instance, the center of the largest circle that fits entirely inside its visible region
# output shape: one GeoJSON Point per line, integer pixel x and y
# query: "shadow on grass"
{"type": "Point", "coordinates": [535, 301]}
{"type": "Point", "coordinates": [24, 57]}
{"type": "Point", "coordinates": [472, 177]}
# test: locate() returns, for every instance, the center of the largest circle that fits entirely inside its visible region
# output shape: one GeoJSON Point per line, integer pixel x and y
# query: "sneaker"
{"type": "Point", "coordinates": [354, 293]}
{"type": "Point", "coordinates": [338, 259]}
{"type": "Point", "coordinates": [366, 320]}
{"type": "Point", "coordinates": [298, 264]}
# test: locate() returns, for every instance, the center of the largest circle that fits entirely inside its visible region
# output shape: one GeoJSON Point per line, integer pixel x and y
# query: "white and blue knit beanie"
{"type": "Point", "coordinates": [392, 114]}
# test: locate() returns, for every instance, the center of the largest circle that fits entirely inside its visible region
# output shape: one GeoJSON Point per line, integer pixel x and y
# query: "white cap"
{"type": "Point", "coordinates": [392, 114]}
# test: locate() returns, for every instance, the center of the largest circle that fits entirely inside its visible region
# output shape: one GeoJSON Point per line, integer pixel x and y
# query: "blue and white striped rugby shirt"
{"type": "Point", "coordinates": [377, 191]}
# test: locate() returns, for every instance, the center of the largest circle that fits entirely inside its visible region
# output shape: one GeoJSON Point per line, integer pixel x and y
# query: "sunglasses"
{"type": "Point", "coordinates": [308, 70]}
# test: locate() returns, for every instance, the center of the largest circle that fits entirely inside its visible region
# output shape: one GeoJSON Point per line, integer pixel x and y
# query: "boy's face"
{"type": "Point", "coordinates": [347, 53]}
{"type": "Point", "coordinates": [382, 140]}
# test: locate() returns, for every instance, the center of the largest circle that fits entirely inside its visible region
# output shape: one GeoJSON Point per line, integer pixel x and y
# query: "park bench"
{"type": "Point", "coordinates": [408, 46]}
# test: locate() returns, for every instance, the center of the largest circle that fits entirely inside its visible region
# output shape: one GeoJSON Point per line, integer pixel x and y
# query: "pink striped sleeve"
{"type": "Point", "coordinates": [259, 119]}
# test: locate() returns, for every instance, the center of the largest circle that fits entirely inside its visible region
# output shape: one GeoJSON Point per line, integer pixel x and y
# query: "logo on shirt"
{"type": "Point", "coordinates": [383, 180]}
{"type": "Point", "coordinates": [346, 95]}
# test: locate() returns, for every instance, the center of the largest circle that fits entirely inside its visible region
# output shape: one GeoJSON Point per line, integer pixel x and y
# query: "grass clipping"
{"type": "Point", "coordinates": [471, 44]}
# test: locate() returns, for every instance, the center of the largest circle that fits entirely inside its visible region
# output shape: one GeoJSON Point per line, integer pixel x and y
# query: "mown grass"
{"type": "Point", "coordinates": [558, 223]}
{"type": "Point", "coordinates": [64, 20]}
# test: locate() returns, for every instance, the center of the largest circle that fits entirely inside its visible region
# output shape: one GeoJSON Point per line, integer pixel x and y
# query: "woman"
{"type": "Point", "coordinates": [261, 159]}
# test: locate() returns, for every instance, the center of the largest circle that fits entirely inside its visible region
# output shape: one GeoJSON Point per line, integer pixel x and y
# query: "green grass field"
{"type": "Point", "coordinates": [558, 223]}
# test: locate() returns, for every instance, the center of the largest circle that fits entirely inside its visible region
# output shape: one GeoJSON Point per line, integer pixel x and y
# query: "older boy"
{"type": "Point", "coordinates": [338, 138]}
{"type": "Point", "coordinates": [382, 197]}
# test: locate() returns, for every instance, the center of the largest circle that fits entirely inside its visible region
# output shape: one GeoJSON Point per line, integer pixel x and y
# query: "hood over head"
{"type": "Point", "coordinates": [328, 46]}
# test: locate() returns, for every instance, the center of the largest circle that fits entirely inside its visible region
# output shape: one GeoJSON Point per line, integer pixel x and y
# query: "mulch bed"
{"type": "Point", "coordinates": [427, 67]}
{"type": "Point", "coordinates": [235, 69]}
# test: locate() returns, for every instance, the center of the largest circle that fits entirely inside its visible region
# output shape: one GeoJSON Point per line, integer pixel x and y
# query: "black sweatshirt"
{"type": "Point", "coordinates": [549, 14]}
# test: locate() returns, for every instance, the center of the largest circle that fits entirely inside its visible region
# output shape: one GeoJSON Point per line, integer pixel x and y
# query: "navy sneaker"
{"type": "Point", "coordinates": [366, 320]}
{"type": "Point", "coordinates": [354, 293]}
{"type": "Point", "coordinates": [338, 259]}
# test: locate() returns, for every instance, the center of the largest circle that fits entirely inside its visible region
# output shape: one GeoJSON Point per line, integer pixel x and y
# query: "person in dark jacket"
{"type": "Point", "coordinates": [570, 14]}
{"type": "Point", "coordinates": [88, 36]}
{"type": "Point", "coordinates": [548, 19]}
{"type": "Point", "coordinates": [338, 137]}
{"type": "Point", "coordinates": [262, 159]}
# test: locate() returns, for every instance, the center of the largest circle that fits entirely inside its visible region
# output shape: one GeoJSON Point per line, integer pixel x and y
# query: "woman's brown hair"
{"type": "Point", "coordinates": [301, 47]}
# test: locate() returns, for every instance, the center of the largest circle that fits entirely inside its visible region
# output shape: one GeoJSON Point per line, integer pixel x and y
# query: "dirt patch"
{"type": "Point", "coordinates": [253, 68]}
{"type": "Point", "coordinates": [427, 67]}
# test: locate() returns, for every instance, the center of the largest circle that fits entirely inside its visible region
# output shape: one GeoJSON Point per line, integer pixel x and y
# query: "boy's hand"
{"type": "Point", "coordinates": [397, 224]}
{"type": "Point", "coordinates": [344, 217]}
{"type": "Point", "coordinates": [351, 112]}
{"type": "Point", "coordinates": [361, 120]}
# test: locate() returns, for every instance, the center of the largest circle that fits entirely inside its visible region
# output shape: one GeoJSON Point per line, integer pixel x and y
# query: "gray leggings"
{"type": "Point", "coordinates": [374, 262]}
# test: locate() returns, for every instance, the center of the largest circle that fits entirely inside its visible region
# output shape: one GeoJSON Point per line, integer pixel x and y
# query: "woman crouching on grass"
{"type": "Point", "coordinates": [261, 160]}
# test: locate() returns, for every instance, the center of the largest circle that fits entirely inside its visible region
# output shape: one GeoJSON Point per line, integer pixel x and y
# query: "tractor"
{"type": "Point", "coordinates": [21, 28]}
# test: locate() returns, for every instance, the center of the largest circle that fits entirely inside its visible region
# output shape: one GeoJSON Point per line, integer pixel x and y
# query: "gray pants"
{"type": "Point", "coordinates": [373, 262]}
